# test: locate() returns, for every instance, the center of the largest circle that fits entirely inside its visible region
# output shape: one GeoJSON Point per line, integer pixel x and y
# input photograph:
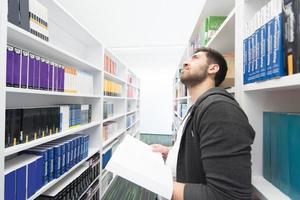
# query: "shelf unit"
{"type": "Point", "coordinates": [123, 105]}
{"type": "Point", "coordinates": [278, 95]}
{"type": "Point", "coordinates": [70, 44]}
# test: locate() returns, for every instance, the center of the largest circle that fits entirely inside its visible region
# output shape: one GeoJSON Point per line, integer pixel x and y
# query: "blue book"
{"type": "Point", "coordinates": [258, 54]}
{"type": "Point", "coordinates": [270, 33]}
{"type": "Point", "coordinates": [56, 159]}
{"type": "Point", "coordinates": [251, 61]}
{"type": "Point", "coordinates": [44, 154]}
{"type": "Point", "coordinates": [294, 148]}
{"type": "Point", "coordinates": [61, 145]}
{"type": "Point", "coordinates": [32, 176]}
{"type": "Point", "coordinates": [10, 185]}
{"type": "Point", "coordinates": [9, 65]}
{"type": "Point", "coordinates": [266, 146]}
{"type": "Point", "coordinates": [278, 63]}
{"type": "Point", "coordinates": [263, 52]}
{"type": "Point", "coordinates": [50, 165]}
{"type": "Point", "coordinates": [21, 183]}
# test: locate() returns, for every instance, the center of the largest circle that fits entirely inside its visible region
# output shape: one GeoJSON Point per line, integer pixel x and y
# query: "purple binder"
{"type": "Point", "coordinates": [31, 70]}
{"type": "Point", "coordinates": [47, 74]}
{"type": "Point", "coordinates": [24, 68]}
{"type": "Point", "coordinates": [36, 78]}
{"type": "Point", "coordinates": [9, 65]}
{"type": "Point", "coordinates": [51, 67]}
{"type": "Point", "coordinates": [62, 79]}
{"type": "Point", "coordinates": [55, 77]}
{"type": "Point", "coordinates": [59, 88]}
{"type": "Point", "coordinates": [17, 67]}
{"type": "Point", "coordinates": [42, 74]}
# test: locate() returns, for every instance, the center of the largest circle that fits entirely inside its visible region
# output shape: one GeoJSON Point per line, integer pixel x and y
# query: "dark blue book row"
{"type": "Point", "coordinates": [27, 173]}
{"type": "Point", "coordinates": [281, 147]}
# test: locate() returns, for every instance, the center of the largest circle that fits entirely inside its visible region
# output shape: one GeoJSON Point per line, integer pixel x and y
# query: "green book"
{"type": "Point", "coordinates": [213, 24]}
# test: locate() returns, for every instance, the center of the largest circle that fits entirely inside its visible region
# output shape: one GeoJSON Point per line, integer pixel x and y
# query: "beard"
{"type": "Point", "coordinates": [190, 80]}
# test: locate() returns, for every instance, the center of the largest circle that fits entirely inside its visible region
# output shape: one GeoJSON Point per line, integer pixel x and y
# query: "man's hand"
{"type": "Point", "coordinates": [178, 189]}
{"type": "Point", "coordinates": [161, 149]}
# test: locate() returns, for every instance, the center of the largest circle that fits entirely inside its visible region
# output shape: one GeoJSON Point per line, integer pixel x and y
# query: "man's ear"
{"type": "Point", "coordinates": [213, 68]}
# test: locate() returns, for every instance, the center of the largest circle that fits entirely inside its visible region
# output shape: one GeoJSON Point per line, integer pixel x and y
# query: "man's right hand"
{"type": "Point", "coordinates": [161, 149]}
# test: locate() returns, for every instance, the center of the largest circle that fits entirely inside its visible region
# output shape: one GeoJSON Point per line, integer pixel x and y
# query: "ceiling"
{"type": "Point", "coordinates": [143, 29]}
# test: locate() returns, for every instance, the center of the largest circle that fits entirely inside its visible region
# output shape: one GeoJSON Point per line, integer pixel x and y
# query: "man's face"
{"type": "Point", "coordinates": [194, 69]}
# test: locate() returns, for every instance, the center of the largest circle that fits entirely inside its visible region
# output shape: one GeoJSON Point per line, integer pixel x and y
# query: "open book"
{"type": "Point", "coordinates": [135, 161]}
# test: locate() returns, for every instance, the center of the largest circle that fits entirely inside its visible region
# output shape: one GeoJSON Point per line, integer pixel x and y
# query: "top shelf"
{"type": "Point", "coordinates": [283, 83]}
{"type": "Point", "coordinates": [224, 40]}
{"type": "Point", "coordinates": [21, 38]}
{"type": "Point", "coordinates": [210, 8]}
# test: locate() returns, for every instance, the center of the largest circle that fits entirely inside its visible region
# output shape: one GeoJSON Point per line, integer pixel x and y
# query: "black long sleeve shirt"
{"type": "Point", "coordinates": [214, 158]}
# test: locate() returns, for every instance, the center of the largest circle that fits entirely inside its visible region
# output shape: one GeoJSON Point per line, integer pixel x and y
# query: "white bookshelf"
{"type": "Point", "coordinates": [278, 95]}
{"type": "Point", "coordinates": [70, 44]}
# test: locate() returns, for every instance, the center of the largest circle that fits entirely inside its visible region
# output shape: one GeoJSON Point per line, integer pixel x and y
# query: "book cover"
{"type": "Point", "coordinates": [37, 64]}
{"type": "Point", "coordinates": [266, 146]}
{"type": "Point", "coordinates": [278, 63]}
{"type": "Point", "coordinates": [263, 44]}
{"type": "Point", "coordinates": [31, 71]}
{"type": "Point", "coordinates": [21, 183]}
{"type": "Point", "coordinates": [24, 69]}
{"type": "Point", "coordinates": [17, 67]}
{"type": "Point", "coordinates": [9, 65]}
{"type": "Point", "coordinates": [10, 185]}
{"type": "Point", "coordinates": [270, 40]}
{"type": "Point", "coordinates": [13, 12]}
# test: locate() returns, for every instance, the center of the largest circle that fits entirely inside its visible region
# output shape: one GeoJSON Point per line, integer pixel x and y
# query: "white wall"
{"type": "Point", "coordinates": [156, 68]}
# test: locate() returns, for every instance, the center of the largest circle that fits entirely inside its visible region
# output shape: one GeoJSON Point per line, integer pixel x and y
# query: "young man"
{"type": "Point", "coordinates": [211, 158]}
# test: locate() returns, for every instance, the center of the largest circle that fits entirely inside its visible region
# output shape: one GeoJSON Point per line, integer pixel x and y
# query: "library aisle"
{"type": "Point", "coordinates": [80, 82]}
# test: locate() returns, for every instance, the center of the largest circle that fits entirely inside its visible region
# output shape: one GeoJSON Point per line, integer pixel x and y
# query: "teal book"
{"type": "Point", "coordinates": [266, 146]}
{"type": "Point", "coordinates": [275, 144]}
{"type": "Point", "coordinates": [294, 150]}
{"type": "Point", "coordinates": [283, 150]}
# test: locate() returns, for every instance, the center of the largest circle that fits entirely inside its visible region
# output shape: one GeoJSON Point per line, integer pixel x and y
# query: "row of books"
{"type": "Point", "coordinates": [109, 129]}
{"type": "Point", "coordinates": [131, 92]}
{"type": "Point", "coordinates": [112, 88]}
{"type": "Point", "coordinates": [281, 144]}
{"type": "Point", "coordinates": [27, 173]}
{"type": "Point", "coordinates": [130, 119]}
{"type": "Point", "coordinates": [29, 15]}
{"type": "Point", "coordinates": [132, 79]}
{"type": "Point", "coordinates": [132, 105]}
{"type": "Point", "coordinates": [181, 109]}
{"type": "Point", "coordinates": [209, 27]}
{"type": "Point", "coordinates": [108, 109]}
{"type": "Point", "coordinates": [263, 46]}
{"type": "Point", "coordinates": [28, 70]}
{"type": "Point", "coordinates": [28, 124]}
{"type": "Point", "coordinates": [75, 189]}
{"type": "Point", "coordinates": [180, 90]}
{"type": "Point", "coordinates": [111, 66]}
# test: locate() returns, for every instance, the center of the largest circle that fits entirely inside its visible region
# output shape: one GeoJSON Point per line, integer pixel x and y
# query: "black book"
{"type": "Point", "coordinates": [8, 128]}
{"type": "Point", "coordinates": [27, 123]}
{"type": "Point", "coordinates": [13, 12]}
{"type": "Point", "coordinates": [16, 115]}
{"type": "Point", "coordinates": [24, 14]}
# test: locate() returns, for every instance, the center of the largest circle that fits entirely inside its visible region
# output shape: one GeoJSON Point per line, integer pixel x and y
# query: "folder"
{"type": "Point", "coordinates": [24, 68]}
{"type": "Point", "coordinates": [31, 71]}
{"type": "Point", "coordinates": [51, 70]}
{"type": "Point", "coordinates": [37, 64]}
{"type": "Point", "coordinates": [17, 67]}
{"type": "Point", "coordinates": [9, 65]}
{"type": "Point", "coordinates": [13, 12]}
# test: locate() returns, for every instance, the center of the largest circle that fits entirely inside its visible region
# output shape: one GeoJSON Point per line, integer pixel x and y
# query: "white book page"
{"type": "Point", "coordinates": [135, 161]}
